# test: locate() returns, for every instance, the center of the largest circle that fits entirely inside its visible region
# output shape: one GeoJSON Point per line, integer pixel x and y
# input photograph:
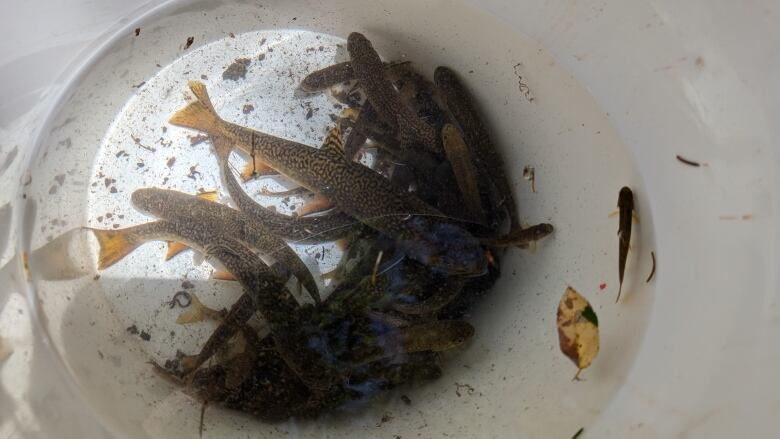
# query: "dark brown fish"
{"type": "Point", "coordinates": [465, 172]}
{"type": "Point", "coordinates": [459, 102]}
{"type": "Point", "coordinates": [369, 71]}
{"type": "Point", "coordinates": [626, 209]}
{"type": "Point", "coordinates": [341, 72]}
{"type": "Point", "coordinates": [356, 190]}
{"type": "Point", "coordinates": [520, 237]}
{"type": "Point", "coordinates": [187, 209]}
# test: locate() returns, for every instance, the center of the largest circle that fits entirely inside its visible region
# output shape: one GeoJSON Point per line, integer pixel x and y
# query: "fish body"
{"type": "Point", "coordinates": [370, 73]}
{"type": "Point", "coordinates": [358, 191]}
{"type": "Point", "coordinates": [488, 161]}
{"type": "Point", "coordinates": [521, 237]}
{"type": "Point", "coordinates": [626, 211]}
{"type": "Point", "coordinates": [342, 72]}
{"type": "Point", "coordinates": [181, 208]}
{"type": "Point", "coordinates": [465, 172]}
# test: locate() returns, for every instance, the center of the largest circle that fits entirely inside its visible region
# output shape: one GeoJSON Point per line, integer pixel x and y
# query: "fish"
{"type": "Point", "coordinates": [263, 285]}
{"type": "Point", "coordinates": [369, 71]}
{"type": "Point", "coordinates": [434, 336]}
{"type": "Point", "coordinates": [219, 219]}
{"type": "Point", "coordinates": [458, 101]}
{"type": "Point", "coordinates": [299, 229]}
{"type": "Point", "coordinates": [287, 322]}
{"type": "Point", "coordinates": [625, 206]}
{"type": "Point", "coordinates": [465, 172]}
{"type": "Point", "coordinates": [520, 237]}
{"type": "Point", "coordinates": [421, 230]}
{"type": "Point", "coordinates": [341, 72]}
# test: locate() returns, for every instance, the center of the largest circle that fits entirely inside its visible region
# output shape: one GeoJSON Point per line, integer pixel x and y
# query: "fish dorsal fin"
{"type": "Point", "coordinates": [333, 141]}
{"type": "Point", "coordinates": [212, 196]}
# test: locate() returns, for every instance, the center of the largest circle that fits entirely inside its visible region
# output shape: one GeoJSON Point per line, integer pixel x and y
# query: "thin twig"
{"type": "Point", "coordinates": [652, 272]}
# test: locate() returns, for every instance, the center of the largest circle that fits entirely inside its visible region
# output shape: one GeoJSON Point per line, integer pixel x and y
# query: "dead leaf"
{"type": "Point", "coordinates": [578, 329]}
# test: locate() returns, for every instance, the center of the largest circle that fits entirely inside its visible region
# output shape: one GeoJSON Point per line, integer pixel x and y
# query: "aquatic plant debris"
{"type": "Point", "coordinates": [578, 329]}
{"type": "Point", "coordinates": [652, 272]}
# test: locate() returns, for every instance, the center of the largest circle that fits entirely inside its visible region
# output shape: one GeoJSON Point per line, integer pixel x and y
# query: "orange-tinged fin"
{"type": "Point", "coordinates": [199, 115]}
{"type": "Point", "coordinates": [350, 114]}
{"type": "Point", "coordinates": [197, 312]}
{"type": "Point", "coordinates": [318, 203]}
{"type": "Point", "coordinates": [223, 275]}
{"type": "Point", "coordinates": [212, 196]}
{"type": "Point", "coordinates": [174, 248]}
{"type": "Point", "coordinates": [342, 244]}
{"type": "Point", "coordinates": [114, 246]}
{"type": "Point", "coordinates": [332, 274]}
{"type": "Point", "coordinates": [256, 168]}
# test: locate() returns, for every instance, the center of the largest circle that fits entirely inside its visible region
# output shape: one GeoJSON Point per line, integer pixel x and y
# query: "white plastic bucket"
{"type": "Point", "coordinates": [593, 96]}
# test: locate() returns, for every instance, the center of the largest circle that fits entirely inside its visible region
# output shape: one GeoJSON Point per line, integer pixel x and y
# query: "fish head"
{"type": "Point", "coordinates": [446, 248]}
{"type": "Point", "coordinates": [150, 200]}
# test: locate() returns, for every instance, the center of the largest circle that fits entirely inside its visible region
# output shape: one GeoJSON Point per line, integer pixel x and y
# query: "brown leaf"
{"type": "Point", "coordinates": [578, 329]}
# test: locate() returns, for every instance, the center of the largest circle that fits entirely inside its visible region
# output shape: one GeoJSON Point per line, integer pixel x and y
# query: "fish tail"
{"type": "Point", "coordinates": [174, 248]}
{"type": "Point", "coordinates": [199, 115]}
{"type": "Point", "coordinates": [114, 246]}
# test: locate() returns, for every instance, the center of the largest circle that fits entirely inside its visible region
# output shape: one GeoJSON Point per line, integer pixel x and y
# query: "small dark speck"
{"type": "Point", "coordinates": [113, 190]}
{"type": "Point", "coordinates": [294, 18]}
{"type": "Point", "coordinates": [471, 71]}
{"type": "Point", "coordinates": [133, 330]}
{"type": "Point", "coordinates": [97, 276]}
{"type": "Point", "coordinates": [231, 35]}
{"type": "Point", "coordinates": [248, 108]}
{"type": "Point", "coordinates": [406, 400]}
{"type": "Point", "coordinates": [53, 190]}
{"type": "Point", "coordinates": [187, 285]}
{"type": "Point", "coordinates": [145, 336]}
{"type": "Point", "coordinates": [137, 31]}
{"type": "Point", "coordinates": [204, 77]}
{"type": "Point", "coordinates": [189, 42]}
{"type": "Point", "coordinates": [171, 161]}
{"type": "Point", "coordinates": [100, 354]}
{"type": "Point", "coordinates": [261, 57]}
{"type": "Point", "coordinates": [309, 114]}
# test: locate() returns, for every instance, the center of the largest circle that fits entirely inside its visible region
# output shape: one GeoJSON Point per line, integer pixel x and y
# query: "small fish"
{"type": "Point", "coordinates": [435, 336]}
{"type": "Point", "coordinates": [520, 237]}
{"type": "Point", "coordinates": [219, 219]}
{"type": "Point", "coordinates": [578, 329]}
{"type": "Point", "coordinates": [459, 102]}
{"type": "Point", "coordinates": [369, 71]}
{"type": "Point", "coordinates": [420, 230]}
{"type": "Point", "coordinates": [465, 173]}
{"type": "Point", "coordinates": [341, 72]}
{"type": "Point", "coordinates": [626, 209]}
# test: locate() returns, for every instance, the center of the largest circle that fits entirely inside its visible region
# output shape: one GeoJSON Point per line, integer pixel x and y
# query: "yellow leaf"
{"type": "Point", "coordinates": [578, 329]}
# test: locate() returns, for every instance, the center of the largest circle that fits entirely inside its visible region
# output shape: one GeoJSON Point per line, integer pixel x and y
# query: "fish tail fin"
{"type": "Point", "coordinates": [174, 248]}
{"type": "Point", "coordinates": [199, 115]}
{"type": "Point", "coordinates": [114, 246]}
